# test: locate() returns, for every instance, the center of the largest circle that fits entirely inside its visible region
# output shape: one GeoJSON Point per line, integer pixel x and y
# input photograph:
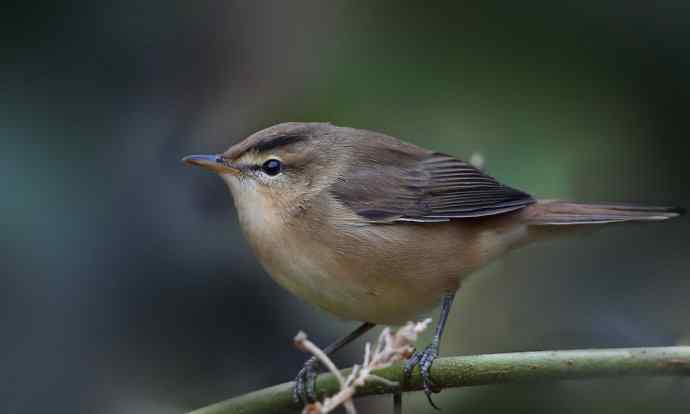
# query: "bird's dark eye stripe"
{"type": "Point", "coordinates": [278, 141]}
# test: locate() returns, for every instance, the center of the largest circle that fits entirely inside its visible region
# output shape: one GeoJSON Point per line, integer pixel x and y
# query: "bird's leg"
{"type": "Point", "coordinates": [305, 383]}
{"type": "Point", "coordinates": [424, 359]}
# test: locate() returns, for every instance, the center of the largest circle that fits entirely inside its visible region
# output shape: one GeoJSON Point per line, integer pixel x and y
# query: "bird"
{"type": "Point", "coordinates": [374, 229]}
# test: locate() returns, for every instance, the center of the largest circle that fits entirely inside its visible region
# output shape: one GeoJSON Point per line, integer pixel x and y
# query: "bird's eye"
{"type": "Point", "coordinates": [272, 167]}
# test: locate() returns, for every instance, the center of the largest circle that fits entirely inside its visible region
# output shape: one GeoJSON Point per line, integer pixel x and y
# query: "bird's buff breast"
{"type": "Point", "coordinates": [315, 273]}
{"type": "Point", "coordinates": [310, 264]}
{"type": "Point", "coordinates": [377, 274]}
{"type": "Point", "coordinates": [343, 284]}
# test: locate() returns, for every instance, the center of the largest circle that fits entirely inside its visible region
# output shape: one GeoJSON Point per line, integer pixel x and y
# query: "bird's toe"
{"type": "Point", "coordinates": [304, 391]}
{"type": "Point", "coordinates": [424, 359]}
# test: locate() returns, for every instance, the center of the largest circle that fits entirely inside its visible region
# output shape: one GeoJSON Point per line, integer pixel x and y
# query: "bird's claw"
{"type": "Point", "coordinates": [424, 360]}
{"type": "Point", "coordinates": [304, 391]}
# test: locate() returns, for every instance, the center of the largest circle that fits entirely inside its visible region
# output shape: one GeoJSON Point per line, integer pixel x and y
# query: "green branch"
{"type": "Point", "coordinates": [485, 369]}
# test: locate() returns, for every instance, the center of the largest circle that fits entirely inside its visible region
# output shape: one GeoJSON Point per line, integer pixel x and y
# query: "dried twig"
{"type": "Point", "coordinates": [389, 348]}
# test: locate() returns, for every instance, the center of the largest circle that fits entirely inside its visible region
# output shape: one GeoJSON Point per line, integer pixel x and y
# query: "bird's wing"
{"type": "Point", "coordinates": [423, 187]}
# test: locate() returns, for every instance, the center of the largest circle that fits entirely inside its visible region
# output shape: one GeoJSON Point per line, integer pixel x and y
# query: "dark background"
{"type": "Point", "coordinates": [126, 286]}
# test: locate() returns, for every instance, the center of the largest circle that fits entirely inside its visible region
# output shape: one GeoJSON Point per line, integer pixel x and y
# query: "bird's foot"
{"type": "Point", "coordinates": [304, 391]}
{"type": "Point", "coordinates": [424, 359]}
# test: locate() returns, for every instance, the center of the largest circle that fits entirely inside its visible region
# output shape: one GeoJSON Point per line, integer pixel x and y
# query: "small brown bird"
{"type": "Point", "coordinates": [377, 230]}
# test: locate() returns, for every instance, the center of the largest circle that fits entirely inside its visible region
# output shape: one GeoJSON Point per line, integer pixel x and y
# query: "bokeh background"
{"type": "Point", "coordinates": [126, 286]}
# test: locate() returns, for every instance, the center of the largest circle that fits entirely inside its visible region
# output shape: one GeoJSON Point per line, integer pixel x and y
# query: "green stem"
{"type": "Point", "coordinates": [485, 369]}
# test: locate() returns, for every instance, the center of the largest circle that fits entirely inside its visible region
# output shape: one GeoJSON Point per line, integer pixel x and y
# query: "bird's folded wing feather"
{"type": "Point", "coordinates": [399, 184]}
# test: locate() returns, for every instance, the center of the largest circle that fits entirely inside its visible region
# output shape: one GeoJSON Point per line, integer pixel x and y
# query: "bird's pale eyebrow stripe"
{"type": "Point", "coordinates": [278, 141]}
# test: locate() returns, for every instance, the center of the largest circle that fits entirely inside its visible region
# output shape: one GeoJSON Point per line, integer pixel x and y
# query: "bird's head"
{"type": "Point", "coordinates": [280, 167]}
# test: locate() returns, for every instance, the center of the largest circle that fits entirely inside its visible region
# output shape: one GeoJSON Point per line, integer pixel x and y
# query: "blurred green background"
{"type": "Point", "coordinates": [126, 285]}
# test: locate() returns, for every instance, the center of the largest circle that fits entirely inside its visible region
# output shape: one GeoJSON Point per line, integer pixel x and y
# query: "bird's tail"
{"type": "Point", "coordinates": [551, 212]}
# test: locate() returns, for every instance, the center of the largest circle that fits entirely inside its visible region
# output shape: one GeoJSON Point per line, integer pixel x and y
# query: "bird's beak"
{"type": "Point", "coordinates": [214, 163]}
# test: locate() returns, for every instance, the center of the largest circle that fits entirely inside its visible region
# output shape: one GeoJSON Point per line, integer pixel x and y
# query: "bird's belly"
{"type": "Point", "coordinates": [352, 287]}
{"type": "Point", "coordinates": [383, 303]}
{"type": "Point", "coordinates": [380, 274]}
